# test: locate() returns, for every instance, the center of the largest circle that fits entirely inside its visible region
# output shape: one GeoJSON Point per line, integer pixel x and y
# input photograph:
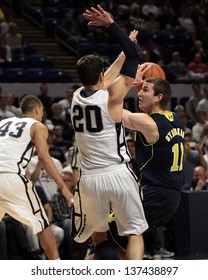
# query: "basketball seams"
{"type": "Point", "coordinates": [155, 71]}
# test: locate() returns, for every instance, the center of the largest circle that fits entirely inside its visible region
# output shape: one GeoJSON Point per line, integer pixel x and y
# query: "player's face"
{"type": "Point", "coordinates": [146, 98]}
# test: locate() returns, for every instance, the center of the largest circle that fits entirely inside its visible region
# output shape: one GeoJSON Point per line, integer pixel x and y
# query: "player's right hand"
{"type": "Point", "coordinates": [68, 195]}
{"type": "Point", "coordinates": [98, 17]}
{"type": "Point", "coordinates": [140, 75]}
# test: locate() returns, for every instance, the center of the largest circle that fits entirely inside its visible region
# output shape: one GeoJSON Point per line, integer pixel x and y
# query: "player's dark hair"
{"type": "Point", "coordinates": [29, 102]}
{"type": "Point", "coordinates": [89, 68]}
{"type": "Point", "coordinates": [161, 86]}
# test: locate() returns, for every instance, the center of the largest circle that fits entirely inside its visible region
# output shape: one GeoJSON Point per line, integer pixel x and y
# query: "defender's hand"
{"type": "Point", "coordinates": [98, 17]}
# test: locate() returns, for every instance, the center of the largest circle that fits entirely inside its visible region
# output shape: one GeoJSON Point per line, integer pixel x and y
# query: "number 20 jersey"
{"type": "Point", "coordinates": [100, 140]}
{"type": "Point", "coordinates": [16, 147]}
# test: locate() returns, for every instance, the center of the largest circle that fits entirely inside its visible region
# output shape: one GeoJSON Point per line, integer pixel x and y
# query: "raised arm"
{"type": "Point", "coordinates": [99, 17]}
{"type": "Point", "coordinates": [113, 71]}
{"type": "Point", "coordinates": [133, 55]}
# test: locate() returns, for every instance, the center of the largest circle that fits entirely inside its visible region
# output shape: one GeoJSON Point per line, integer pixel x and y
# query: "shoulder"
{"type": "Point", "coordinates": [38, 129]}
{"type": "Point", "coordinates": [38, 126]}
{"type": "Point", "coordinates": [29, 122]}
{"type": "Point", "coordinates": [162, 117]}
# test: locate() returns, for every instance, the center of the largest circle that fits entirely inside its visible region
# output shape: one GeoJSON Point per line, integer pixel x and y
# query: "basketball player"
{"type": "Point", "coordinates": [18, 139]}
{"type": "Point", "coordinates": [159, 151]}
{"type": "Point", "coordinates": [105, 178]}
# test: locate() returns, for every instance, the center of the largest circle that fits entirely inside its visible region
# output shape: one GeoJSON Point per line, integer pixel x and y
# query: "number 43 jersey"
{"type": "Point", "coordinates": [16, 147]}
{"type": "Point", "coordinates": [101, 141]}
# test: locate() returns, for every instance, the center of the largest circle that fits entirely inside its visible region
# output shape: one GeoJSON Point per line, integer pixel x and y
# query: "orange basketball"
{"type": "Point", "coordinates": [155, 71]}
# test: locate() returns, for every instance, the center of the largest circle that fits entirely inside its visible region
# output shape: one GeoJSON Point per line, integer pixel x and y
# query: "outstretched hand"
{"type": "Point", "coordinates": [140, 75]}
{"type": "Point", "coordinates": [98, 17]}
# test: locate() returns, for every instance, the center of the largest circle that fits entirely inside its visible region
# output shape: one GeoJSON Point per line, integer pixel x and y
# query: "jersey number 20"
{"type": "Point", "coordinates": [88, 118]}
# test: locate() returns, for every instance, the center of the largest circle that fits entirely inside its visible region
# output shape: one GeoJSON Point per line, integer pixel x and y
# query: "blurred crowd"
{"type": "Point", "coordinates": [173, 34]}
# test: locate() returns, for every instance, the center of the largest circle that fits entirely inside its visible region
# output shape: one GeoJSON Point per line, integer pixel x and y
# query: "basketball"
{"type": "Point", "coordinates": [154, 71]}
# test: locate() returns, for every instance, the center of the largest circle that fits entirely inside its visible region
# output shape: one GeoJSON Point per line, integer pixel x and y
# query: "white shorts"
{"type": "Point", "coordinates": [101, 190]}
{"type": "Point", "coordinates": [19, 199]}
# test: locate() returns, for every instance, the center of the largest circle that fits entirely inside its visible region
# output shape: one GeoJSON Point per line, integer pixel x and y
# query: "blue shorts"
{"type": "Point", "coordinates": [160, 204]}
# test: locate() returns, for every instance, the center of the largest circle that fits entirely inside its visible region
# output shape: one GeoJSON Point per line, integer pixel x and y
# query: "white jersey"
{"type": "Point", "coordinates": [101, 141]}
{"type": "Point", "coordinates": [16, 147]}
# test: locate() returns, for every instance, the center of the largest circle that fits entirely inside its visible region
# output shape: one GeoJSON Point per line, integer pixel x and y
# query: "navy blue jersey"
{"type": "Point", "coordinates": [161, 163]}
